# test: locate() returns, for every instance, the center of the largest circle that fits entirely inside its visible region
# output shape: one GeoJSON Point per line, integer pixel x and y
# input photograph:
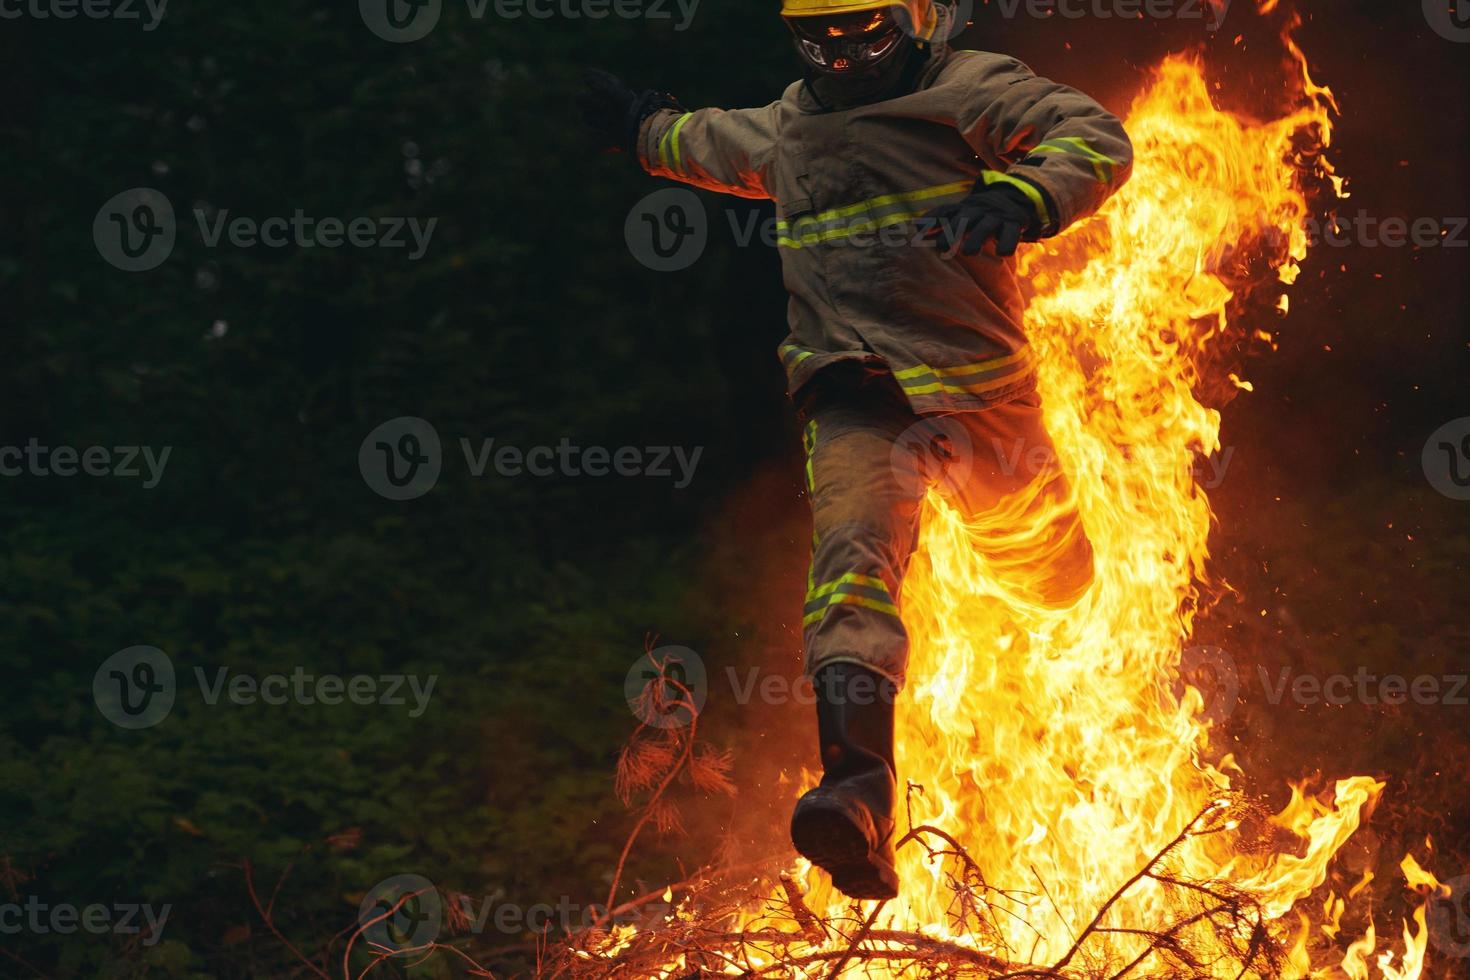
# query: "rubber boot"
{"type": "Point", "coordinates": [845, 824]}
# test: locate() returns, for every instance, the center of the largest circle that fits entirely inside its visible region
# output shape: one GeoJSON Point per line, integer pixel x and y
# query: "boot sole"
{"type": "Point", "coordinates": [828, 839]}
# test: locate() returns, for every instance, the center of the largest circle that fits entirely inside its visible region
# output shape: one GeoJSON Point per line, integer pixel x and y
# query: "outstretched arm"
{"type": "Point", "coordinates": [720, 150]}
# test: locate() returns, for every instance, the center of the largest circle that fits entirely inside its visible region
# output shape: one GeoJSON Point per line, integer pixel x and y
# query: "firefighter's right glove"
{"type": "Point", "coordinates": [614, 112]}
{"type": "Point", "coordinates": [995, 212]}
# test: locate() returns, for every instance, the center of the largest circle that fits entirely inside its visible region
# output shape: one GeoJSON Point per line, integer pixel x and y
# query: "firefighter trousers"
{"type": "Point", "coordinates": [869, 462]}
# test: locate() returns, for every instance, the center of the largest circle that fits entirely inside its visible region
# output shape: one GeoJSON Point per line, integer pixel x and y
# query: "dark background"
{"type": "Point", "coordinates": [528, 320]}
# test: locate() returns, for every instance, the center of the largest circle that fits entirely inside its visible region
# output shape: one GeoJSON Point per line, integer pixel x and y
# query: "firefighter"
{"type": "Point", "coordinates": [904, 175]}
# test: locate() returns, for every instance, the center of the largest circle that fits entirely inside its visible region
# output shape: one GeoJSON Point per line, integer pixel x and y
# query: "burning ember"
{"type": "Point", "coordinates": [1066, 815]}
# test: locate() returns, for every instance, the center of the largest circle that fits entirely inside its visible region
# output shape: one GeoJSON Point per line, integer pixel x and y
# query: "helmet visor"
{"type": "Point", "coordinates": [847, 42]}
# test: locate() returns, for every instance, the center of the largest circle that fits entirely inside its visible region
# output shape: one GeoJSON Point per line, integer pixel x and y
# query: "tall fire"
{"type": "Point", "coordinates": [1070, 811]}
{"type": "Point", "coordinates": [1055, 740]}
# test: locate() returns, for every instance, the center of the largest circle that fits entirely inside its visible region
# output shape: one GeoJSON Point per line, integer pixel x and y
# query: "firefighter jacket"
{"type": "Point", "coordinates": [850, 187]}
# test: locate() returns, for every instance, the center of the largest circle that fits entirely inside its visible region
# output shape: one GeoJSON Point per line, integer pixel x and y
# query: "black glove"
{"type": "Point", "coordinates": [997, 211]}
{"type": "Point", "coordinates": [614, 112]}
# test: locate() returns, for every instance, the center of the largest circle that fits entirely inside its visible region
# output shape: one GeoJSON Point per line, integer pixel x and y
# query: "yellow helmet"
{"type": "Point", "coordinates": [921, 21]}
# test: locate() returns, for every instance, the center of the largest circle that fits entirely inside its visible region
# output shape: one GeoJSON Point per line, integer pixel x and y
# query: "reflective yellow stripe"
{"type": "Point", "coordinates": [1102, 166]}
{"type": "Point", "coordinates": [810, 440]}
{"type": "Point", "coordinates": [851, 578]}
{"type": "Point", "coordinates": [973, 389]}
{"type": "Point", "coordinates": [848, 591]}
{"type": "Point", "coordinates": [925, 380]}
{"type": "Point", "coordinates": [1025, 187]}
{"type": "Point", "coordinates": [674, 136]}
{"type": "Point", "coordinates": [905, 197]}
{"type": "Point", "coordinates": [671, 138]}
{"type": "Point", "coordinates": [850, 600]}
{"type": "Point", "coordinates": [801, 354]}
{"type": "Point", "coordinates": [844, 231]}
{"type": "Point", "coordinates": [1024, 354]}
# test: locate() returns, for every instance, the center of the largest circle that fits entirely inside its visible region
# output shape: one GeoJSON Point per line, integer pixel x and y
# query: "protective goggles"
{"type": "Point", "coordinates": [847, 42]}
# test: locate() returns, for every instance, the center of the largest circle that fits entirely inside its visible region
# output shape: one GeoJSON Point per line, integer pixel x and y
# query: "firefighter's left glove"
{"type": "Point", "coordinates": [614, 112]}
{"type": "Point", "coordinates": [997, 212]}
